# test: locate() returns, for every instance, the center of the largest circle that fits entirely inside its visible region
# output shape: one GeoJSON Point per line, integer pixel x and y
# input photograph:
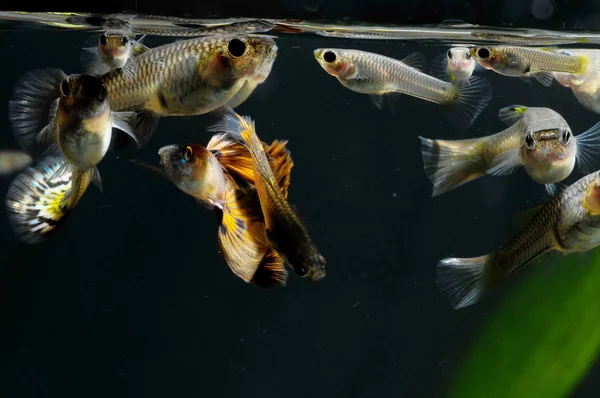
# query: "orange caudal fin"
{"type": "Point", "coordinates": [235, 158]}
{"type": "Point", "coordinates": [243, 241]}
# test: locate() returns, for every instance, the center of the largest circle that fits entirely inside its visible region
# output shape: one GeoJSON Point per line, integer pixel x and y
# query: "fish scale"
{"type": "Point", "coordinates": [172, 79]}
{"type": "Point", "coordinates": [397, 76]}
{"type": "Point", "coordinates": [569, 223]}
{"type": "Point", "coordinates": [538, 237]}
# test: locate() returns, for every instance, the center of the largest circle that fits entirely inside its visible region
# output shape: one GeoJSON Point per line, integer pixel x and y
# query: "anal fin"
{"type": "Point", "coordinates": [271, 271]}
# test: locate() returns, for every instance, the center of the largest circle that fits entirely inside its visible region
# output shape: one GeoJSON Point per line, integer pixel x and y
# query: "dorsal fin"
{"type": "Point", "coordinates": [281, 164]}
{"type": "Point", "coordinates": [235, 158]}
{"type": "Point", "coordinates": [232, 155]}
{"type": "Point", "coordinates": [415, 60]}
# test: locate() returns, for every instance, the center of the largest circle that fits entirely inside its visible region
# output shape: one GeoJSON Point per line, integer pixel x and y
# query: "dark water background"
{"type": "Point", "coordinates": [132, 298]}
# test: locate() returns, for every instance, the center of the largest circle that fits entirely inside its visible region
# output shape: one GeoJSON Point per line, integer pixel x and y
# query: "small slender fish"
{"type": "Point", "coordinates": [454, 66]}
{"type": "Point", "coordinates": [220, 177]}
{"type": "Point", "coordinates": [538, 63]}
{"type": "Point", "coordinates": [188, 77]}
{"type": "Point", "coordinates": [12, 161]}
{"type": "Point", "coordinates": [114, 49]}
{"type": "Point", "coordinates": [76, 127]}
{"type": "Point", "coordinates": [377, 75]}
{"type": "Point", "coordinates": [569, 223]}
{"type": "Point", "coordinates": [283, 228]}
{"type": "Point", "coordinates": [539, 139]}
{"type": "Point", "coordinates": [193, 30]}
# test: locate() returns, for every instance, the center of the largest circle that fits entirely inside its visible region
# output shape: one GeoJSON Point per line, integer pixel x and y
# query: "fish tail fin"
{"type": "Point", "coordinates": [37, 204]}
{"type": "Point", "coordinates": [439, 67]}
{"type": "Point", "coordinates": [466, 280]}
{"type": "Point", "coordinates": [232, 155]}
{"type": "Point", "coordinates": [92, 62]}
{"type": "Point", "coordinates": [243, 241]}
{"type": "Point", "coordinates": [235, 159]}
{"type": "Point", "coordinates": [470, 99]}
{"type": "Point", "coordinates": [589, 71]}
{"type": "Point", "coordinates": [588, 147]}
{"type": "Point", "coordinates": [271, 271]}
{"type": "Point", "coordinates": [449, 164]}
{"type": "Point", "coordinates": [32, 107]}
{"type": "Point", "coordinates": [242, 129]}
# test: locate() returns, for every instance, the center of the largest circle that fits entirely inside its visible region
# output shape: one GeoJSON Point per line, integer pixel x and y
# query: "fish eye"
{"type": "Point", "coordinates": [188, 154]}
{"type": "Point", "coordinates": [449, 54]}
{"type": "Point", "coordinates": [483, 52]}
{"type": "Point", "coordinates": [236, 48]}
{"type": "Point", "coordinates": [566, 136]}
{"type": "Point", "coordinates": [124, 41]}
{"type": "Point", "coordinates": [103, 39]}
{"type": "Point", "coordinates": [64, 88]}
{"type": "Point", "coordinates": [329, 57]}
{"type": "Point", "coordinates": [529, 141]}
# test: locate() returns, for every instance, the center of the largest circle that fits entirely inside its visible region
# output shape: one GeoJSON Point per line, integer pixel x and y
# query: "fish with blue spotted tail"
{"type": "Point", "coordinates": [378, 75]}
{"type": "Point", "coordinates": [78, 126]}
{"type": "Point", "coordinates": [286, 233]}
{"type": "Point", "coordinates": [37, 202]}
{"type": "Point", "coordinates": [568, 223]}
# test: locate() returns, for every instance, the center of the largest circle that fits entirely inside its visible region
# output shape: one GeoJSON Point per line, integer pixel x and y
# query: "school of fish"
{"type": "Point", "coordinates": [66, 124]}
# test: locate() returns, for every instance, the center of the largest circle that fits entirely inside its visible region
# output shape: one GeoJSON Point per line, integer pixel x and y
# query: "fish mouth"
{"type": "Point", "coordinates": [317, 53]}
{"type": "Point", "coordinates": [316, 274]}
{"type": "Point", "coordinates": [167, 155]}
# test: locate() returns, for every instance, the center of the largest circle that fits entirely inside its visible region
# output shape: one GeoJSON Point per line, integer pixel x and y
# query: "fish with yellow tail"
{"type": "Point", "coordinates": [569, 223]}
{"type": "Point", "coordinates": [539, 63]}
{"type": "Point", "coordinates": [114, 49]}
{"type": "Point", "coordinates": [188, 77]}
{"type": "Point", "coordinates": [220, 177]}
{"type": "Point", "coordinates": [77, 126]}
{"type": "Point", "coordinates": [37, 202]}
{"type": "Point", "coordinates": [285, 231]}
{"type": "Point", "coordinates": [378, 75]}
{"type": "Point", "coordinates": [538, 139]}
